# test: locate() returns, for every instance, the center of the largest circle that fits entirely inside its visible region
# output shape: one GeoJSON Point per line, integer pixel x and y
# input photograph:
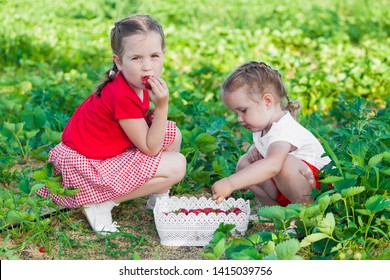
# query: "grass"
{"type": "Point", "coordinates": [56, 51]}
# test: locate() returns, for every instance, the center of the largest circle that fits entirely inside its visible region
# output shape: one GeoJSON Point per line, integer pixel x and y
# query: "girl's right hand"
{"type": "Point", "coordinates": [159, 94]}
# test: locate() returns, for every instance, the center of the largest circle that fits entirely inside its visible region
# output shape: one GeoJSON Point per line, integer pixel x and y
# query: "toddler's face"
{"type": "Point", "coordinates": [251, 114]}
{"type": "Point", "coordinates": [142, 56]}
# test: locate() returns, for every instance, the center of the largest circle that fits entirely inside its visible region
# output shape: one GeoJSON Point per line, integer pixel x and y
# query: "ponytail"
{"type": "Point", "coordinates": [109, 77]}
{"type": "Point", "coordinates": [293, 107]}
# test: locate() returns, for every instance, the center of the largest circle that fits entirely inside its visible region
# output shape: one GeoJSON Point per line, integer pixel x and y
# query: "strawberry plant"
{"type": "Point", "coordinates": [333, 52]}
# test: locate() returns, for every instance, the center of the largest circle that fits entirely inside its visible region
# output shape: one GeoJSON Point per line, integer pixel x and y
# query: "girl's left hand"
{"type": "Point", "coordinates": [221, 190]}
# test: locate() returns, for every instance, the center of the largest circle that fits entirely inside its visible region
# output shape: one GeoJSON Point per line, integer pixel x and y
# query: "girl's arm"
{"type": "Point", "coordinates": [255, 173]}
{"type": "Point", "coordinates": [149, 140]}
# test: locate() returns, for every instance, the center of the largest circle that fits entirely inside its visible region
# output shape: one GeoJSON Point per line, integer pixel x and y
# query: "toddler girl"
{"type": "Point", "coordinates": [282, 165]}
{"type": "Point", "coordinates": [111, 149]}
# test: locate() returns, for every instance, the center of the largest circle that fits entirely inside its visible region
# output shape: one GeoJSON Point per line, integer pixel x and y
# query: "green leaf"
{"type": "Point", "coordinates": [324, 202]}
{"type": "Point", "coordinates": [377, 203]}
{"type": "Point", "coordinates": [352, 191]}
{"type": "Point", "coordinates": [246, 254]}
{"type": "Point", "coordinates": [14, 216]}
{"type": "Point", "coordinates": [31, 134]}
{"type": "Point", "coordinates": [220, 166]}
{"type": "Point", "coordinates": [345, 184]}
{"type": "Point", "coordinates": [36, 186]}
{"type": "Point", "coordinates": [310, 211]}
{"type": "Point", "coordinates": [255, 239]}
{"type": "Point", "coordinates": [41, 174]}
{"type": "Point", "coordinates": [34, 117]}
{"type": "Point", "coordinates": [364, 212]}
{"type": "Point", "coordinates": [375, 160]}
{"type": "Point", "coordinates": [219, 248]}
{"type": "Point", "coordinates": [327, 224]}
{"type": "Point", "coordinates": [385, 171]}
{"type": "Point", "coordinates": [331, 179]}
{"type": "Point", "coordinates": [71, 191]}
{"type": "Point", "coordinates": [13, 128]}
{"type": "Point", "coordinates": [313, 238]}
{"type": "Point", "coordinates": [24, 186]}
{"type": "Point", "coordinates": [335, 197]}
{"type": "Point", "coordinates": [268, 248]}
{"type": "Point", "coordinates": [277, 212]}
{"type": "Point", "coordinates": [287, 249]}
{"type": "Point", "coordinates": [206, 143]}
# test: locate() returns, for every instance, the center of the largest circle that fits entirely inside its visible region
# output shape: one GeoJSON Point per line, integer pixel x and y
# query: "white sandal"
{"type": "Point", "coordinates": [153, 199]}
{"type": "Point", "coordinates": [99, 217]}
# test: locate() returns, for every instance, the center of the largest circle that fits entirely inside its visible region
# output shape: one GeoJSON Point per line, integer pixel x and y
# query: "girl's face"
{"type": "Point", "coordinates": [142, 56]}
{"type": "Point", "coordinates": [253, 115]}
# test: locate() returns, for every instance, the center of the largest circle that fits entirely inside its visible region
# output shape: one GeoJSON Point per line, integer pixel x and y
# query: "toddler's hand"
{"type": "Point", "coordinates": [221, 190]}
{"type": "Point", "coordinates": [159, 93]}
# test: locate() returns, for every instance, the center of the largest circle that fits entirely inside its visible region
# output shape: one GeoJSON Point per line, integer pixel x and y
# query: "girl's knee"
{"type": "Point", "coordinates": [178, 137]}
{"type": "Point", "coordinates": [178, 167]}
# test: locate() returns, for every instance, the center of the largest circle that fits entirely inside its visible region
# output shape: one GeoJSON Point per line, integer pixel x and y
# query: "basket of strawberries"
{"type": "Point", "coordinates": [192, 221]}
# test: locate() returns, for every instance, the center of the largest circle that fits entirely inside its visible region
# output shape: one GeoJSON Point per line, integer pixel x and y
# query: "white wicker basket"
{"type": "Point", "coordinates": [196, 230]}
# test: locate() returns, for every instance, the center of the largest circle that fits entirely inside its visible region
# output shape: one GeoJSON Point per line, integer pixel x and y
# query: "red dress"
{"type": "Point", "coordinates": [95, 154]}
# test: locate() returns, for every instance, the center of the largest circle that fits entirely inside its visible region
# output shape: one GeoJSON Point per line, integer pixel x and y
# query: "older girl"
{"type": "Point", "coordinates": [111, 149]}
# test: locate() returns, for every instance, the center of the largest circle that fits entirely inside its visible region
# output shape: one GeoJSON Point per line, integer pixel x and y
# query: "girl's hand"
{"type": "Point", "coordinates": [159, 94]}
{"type": "Point", "coordinates": [222, 189]}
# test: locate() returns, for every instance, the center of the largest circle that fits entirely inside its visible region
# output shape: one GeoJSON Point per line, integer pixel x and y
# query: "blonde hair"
{"type": "Point", "coordinates": [259, 77]}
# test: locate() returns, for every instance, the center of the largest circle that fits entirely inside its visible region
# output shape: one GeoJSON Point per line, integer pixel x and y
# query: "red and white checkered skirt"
{"type": "Point", "coordinates": [103, 180]}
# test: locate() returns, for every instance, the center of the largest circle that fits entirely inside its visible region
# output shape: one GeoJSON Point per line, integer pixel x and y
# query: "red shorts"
{"type": "Point", "coordinates": [283, 201]}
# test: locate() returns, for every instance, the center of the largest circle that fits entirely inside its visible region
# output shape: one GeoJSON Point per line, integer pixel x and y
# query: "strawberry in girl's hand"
{"type": "Point", "coordinates": [145, 82]}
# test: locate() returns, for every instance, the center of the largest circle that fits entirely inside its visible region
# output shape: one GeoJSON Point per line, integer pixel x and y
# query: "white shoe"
{"type": "Point", "coordinates": [153, 199]}
{"type": "Point", "coordinates": [99, 217]}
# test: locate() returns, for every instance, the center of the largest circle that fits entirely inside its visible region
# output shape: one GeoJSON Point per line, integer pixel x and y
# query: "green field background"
{"type": "Point", "coordinates": [333, 56]}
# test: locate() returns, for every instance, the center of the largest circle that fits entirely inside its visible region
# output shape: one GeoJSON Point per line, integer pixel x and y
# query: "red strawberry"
{"type": "Point", "coordinates": [219, 211]}
{"type": "Point", "coordinates": [145, 82]}
{"type": "Point", "coordinates": [185, 211]}
{"type": "Point", "coordinates": [208, 210]}
{"type": "Point", "coordinates": [236, 211]}
{"type": "Point", "coordinates": [195, 211]}
{"type": "Point", "coordinates": [42, 250]}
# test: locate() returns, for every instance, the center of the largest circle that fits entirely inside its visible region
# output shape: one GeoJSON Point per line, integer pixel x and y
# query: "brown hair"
{"type": "Point", "coordinates": [135, 24]}
{"type": "Point", "coordinates": [259, 77]}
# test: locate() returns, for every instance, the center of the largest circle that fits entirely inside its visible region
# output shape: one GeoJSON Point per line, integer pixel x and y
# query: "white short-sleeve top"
{"type": "Point", "coordinates": [307, 146]}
